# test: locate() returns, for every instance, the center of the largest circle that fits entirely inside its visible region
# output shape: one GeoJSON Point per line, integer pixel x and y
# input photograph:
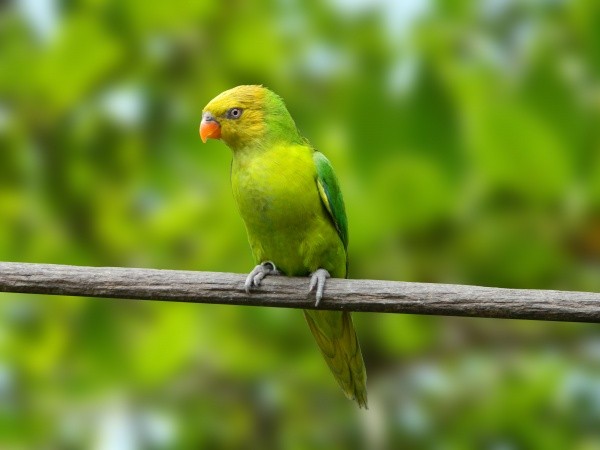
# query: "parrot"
{"type": "Point", "coordinates": [291, 204]}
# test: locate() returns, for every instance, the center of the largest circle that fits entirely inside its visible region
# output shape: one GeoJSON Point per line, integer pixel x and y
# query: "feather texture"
{"type": "Point", "coordinates": [335, 335]}
{"type": "Point", "coordinates": [292, 206]}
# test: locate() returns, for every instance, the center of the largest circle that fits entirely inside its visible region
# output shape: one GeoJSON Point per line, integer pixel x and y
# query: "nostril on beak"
{"type": "Point", "coordinates": [208, 117]}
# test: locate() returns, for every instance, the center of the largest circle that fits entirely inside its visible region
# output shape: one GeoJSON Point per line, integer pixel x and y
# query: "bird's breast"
{"type": "Point", "coordinates": [278, 199]}
{"type": "Point", "coordinates": [276, 190]}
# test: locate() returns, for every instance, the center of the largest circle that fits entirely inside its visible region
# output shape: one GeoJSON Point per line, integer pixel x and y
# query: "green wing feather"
{"type": "Point", "coordinates": [331, 195]}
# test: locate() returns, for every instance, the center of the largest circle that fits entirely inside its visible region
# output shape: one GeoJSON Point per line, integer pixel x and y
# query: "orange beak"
{"type": "Point", "coordinates": [209, 127]}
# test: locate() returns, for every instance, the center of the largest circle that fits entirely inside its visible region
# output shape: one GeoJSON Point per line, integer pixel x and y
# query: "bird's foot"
{"type": "Point", "coordinates": [258, 273]}
{"type": "Point", "coordinates": [317, 280]}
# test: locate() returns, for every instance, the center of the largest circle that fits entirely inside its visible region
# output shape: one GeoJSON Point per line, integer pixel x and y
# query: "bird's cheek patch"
{"type": "Point", "coordinates": [209, 130]}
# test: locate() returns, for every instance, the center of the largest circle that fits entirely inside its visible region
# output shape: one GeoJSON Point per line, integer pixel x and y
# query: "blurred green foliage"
{"type": "Point", "coordinates": [466, 137]}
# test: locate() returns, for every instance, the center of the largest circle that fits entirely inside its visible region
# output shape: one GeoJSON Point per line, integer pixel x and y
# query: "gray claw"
{"type": "Point", "coordinates": [317, 280]}
{"type": "Point", "coordinates": [258, 273]}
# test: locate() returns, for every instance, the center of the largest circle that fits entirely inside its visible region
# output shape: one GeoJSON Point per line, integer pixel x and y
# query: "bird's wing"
{"type": "Point", "coordinates": [331, 195]}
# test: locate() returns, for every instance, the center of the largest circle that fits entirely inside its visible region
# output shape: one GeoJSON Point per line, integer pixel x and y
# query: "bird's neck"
{"type": "Point", "coordinates": [276, 134]}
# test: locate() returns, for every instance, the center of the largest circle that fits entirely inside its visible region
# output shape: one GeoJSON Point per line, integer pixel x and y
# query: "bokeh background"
{"type": "Point", "coordinates": [466, 137]}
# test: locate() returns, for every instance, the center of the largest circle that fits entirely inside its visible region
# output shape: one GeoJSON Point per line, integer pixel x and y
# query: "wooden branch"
{"type": "Point", "coordinates": [278, 291]}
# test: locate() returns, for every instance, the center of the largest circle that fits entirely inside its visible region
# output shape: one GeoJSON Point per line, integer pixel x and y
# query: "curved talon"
{"type": "Point", "coordinates": [317, 280]}
{"type": "Point", "coordinates": [258, 273]}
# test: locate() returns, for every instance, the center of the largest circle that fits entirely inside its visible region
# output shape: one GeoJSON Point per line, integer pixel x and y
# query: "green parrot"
{"type": "Point", "coordinates": [292, 206]}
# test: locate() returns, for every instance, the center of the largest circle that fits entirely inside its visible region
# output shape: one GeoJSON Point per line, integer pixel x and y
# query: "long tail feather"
{"type": "Point", "coordinates": [335, 335]}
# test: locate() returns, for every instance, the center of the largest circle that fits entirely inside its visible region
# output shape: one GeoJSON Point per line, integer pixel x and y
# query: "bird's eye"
{"type": "Point", "coordinates": [234, 113]}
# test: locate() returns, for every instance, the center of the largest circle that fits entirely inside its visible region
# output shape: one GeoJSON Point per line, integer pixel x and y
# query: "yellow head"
{"type": "Point", "coordinates": [248, 116]}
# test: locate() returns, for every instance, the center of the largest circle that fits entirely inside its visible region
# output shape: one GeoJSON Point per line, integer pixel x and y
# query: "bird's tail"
{"type": "Point", "coordinates": [338, 343]}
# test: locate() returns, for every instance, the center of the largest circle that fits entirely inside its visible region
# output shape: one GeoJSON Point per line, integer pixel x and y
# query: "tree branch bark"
{"type": "Point", "coordinates": [278, 291]}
